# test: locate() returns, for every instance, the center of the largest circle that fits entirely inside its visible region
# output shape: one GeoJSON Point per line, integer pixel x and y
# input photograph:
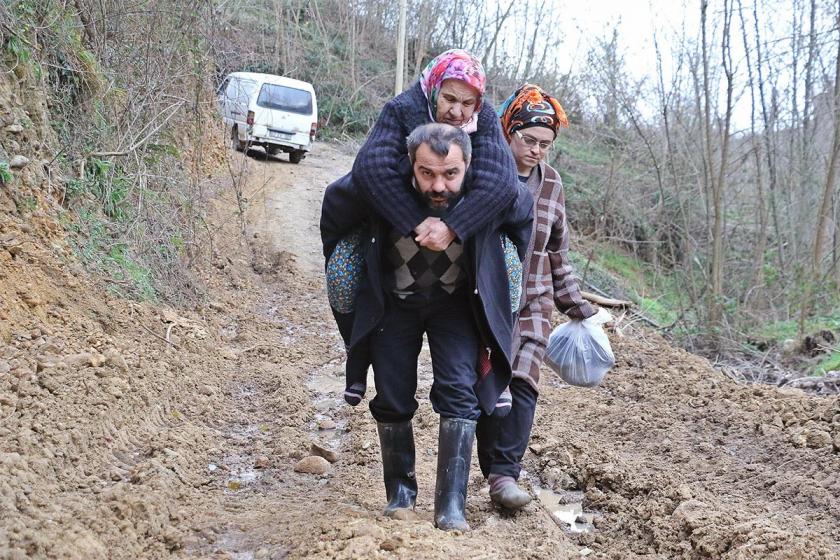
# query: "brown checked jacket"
{"type": "Point", "coordinates": [548, 278]}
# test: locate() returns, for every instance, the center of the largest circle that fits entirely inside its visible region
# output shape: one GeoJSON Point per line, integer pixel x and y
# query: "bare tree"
{"type": "Point", "coordinates": [827, 192]}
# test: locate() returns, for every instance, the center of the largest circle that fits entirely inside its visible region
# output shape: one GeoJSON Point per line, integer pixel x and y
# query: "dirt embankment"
{"type": "Point", "coordinates": [137, 431]}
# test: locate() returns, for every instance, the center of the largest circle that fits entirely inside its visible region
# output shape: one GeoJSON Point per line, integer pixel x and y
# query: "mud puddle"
{"type": "Point", "coordinates": [238, 546]}
{"type": "Point", "coordinates": [566, 508]}
{"type": "Point", "coordinates": [241, 472]}
{"type": "Point", "coordinates": [327, 386]}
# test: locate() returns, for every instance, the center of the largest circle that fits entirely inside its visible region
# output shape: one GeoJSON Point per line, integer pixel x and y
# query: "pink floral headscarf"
{"type": "Point", "coordinates": [455, 64]}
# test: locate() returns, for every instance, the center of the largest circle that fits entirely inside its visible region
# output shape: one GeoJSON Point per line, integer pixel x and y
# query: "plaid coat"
{"type": "Point", "coordinates": [548, 277]}
{"type": "Point", "coordinates": [375, 170]}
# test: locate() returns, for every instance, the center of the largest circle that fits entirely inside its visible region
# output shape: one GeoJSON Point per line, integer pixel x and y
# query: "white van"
{"type": "Point", "coordinates": [274, 112]}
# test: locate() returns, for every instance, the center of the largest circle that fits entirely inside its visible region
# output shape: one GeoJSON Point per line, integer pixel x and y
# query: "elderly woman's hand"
{"type": "Point", "coordinates": [434, 234]}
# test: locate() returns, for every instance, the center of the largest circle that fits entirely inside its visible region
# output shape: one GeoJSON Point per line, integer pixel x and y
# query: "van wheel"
{"type": "Point", "coordinates": [296, 156]}
{"type": "Point", "coordinates": [235, 142]}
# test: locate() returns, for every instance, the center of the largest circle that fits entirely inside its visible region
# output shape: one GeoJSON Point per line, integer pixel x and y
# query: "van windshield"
{"type": "Point", "coordinates": [273, 96]}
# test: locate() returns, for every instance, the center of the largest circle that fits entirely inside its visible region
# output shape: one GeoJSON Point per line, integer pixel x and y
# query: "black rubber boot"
{"type": "Point", "coordinates": [453, 472]}
{"type": "Point", "coordinates": [397, 443]}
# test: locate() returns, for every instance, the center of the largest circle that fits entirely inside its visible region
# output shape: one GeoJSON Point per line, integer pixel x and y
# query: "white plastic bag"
{"type": "Point", "coordinates": [580, 352]}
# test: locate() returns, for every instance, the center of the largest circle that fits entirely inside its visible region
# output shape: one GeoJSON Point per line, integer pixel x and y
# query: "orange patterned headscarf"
{"type": "Point", "coordinates": [531, 106]}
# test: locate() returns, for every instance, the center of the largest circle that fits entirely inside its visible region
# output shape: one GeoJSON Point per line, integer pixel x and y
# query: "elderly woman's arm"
{"type": "Point", "coordinates": [380, 176]}
{"type": "Point", "coordinates": [493, 186]}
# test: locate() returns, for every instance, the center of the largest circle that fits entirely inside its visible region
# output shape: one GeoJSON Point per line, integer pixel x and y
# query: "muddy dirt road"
{"type": "Point", "coordinates": [136, 431]}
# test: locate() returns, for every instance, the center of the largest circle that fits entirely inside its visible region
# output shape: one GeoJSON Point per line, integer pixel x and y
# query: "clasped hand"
{"type": "Point", "coordinates": [434, 234]}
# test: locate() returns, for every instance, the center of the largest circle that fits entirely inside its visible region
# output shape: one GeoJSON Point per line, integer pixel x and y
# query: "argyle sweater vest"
{"type": "Point", "coordinates": [417, 274]}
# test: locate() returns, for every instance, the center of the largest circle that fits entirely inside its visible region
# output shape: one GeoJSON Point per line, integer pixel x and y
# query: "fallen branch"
{"type": "Point", "coordinates": [634, 312]}
{"type": "Point", "coordinates": [153, 333]}
{"type": "Point", "coordinates": [169, 332]}
{"type": "Point", "coordinates": [605, 301]}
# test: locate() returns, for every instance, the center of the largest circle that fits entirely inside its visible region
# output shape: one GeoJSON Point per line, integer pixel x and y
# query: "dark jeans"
{"type": "Point", "coordinates": [502, 441]}
{"type": "Point", "coordinates": [453, 341]}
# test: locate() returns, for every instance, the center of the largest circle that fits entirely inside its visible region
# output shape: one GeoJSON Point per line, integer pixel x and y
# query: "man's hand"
{"type": "Point", "coordinates": [433, 234]}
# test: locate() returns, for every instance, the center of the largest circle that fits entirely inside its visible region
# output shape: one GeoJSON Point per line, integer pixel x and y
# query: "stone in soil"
{"type": "Point", "coordinates": [328, 454]}
{"type": "Point", "coordinates": [312, 465]}
{"type": "Point", "coordinates": [115, 359]}
{"type": "Point", "coordinates": [817, 438]}
{"type": "Point", "coordinates": [206, 390]}
{"type": "Point", "coordinates": [78, 360]}
{"type": "Point", "coordinates": [326, 424]}
{"type": "Point", "coordinates": [18, 162]}
{"type": "Point", "coordinates": [388, 545]}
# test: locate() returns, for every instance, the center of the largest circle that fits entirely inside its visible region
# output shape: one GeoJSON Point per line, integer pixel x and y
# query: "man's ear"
{"type": "Point", "coordinates": [467, 162]}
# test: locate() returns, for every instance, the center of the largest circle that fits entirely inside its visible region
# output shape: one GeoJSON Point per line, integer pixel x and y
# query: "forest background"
{"type": "Point", "coordinates": [704, 190]}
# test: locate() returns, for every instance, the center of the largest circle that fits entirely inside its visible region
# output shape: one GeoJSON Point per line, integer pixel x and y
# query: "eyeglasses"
{"type": "Point", "coordinates": [530, 141]}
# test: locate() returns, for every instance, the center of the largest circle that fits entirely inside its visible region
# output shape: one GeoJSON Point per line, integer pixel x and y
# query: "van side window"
{"type": "Point", "coordinates": [242, 91]}
{"type": "Point", "coordinates": [223, 88]}
{"type": "Point", "coordinates": [293, 100]}
{"type": "Point", "coordinates": [238, 95]}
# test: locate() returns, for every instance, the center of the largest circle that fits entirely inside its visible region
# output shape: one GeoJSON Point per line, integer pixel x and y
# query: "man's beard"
{"type": "Point", "coordinates": [445, 201]}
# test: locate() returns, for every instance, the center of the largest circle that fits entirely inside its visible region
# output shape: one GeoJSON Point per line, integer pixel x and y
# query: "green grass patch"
{"type": "Point", "coordinates": [829, 363]}
{"type": "Point", "coordinates": [657, 310]}
{"type": "Point", "coordinates": [94, 245]}
{"type": "Point", "coordinates": [623, 276]}
{"type": "Point", "coordinates": [29, 204]}
{"type": "Point", "coordinates": [105, 181]}
{"type": "Point", "coordinates": [782, 330]}
{"type": "Point", "coordinates": [17, 48]}
{"type": "Point", "coordinates": [5, 174]}
{"type": "Point", "coordinates": [124, 268]}
{"type": "Point", "coordinates": [619, 263]}
{"type": "Point", "coordinates": [589, 153]}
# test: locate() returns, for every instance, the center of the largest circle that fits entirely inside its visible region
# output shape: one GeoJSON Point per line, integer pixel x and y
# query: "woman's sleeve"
{"type": "Point", "coordinates": [494, 179]}
{"type": "Point", "coordinates": [341, 212]}
{"type": "Point", "coordinates": [380, 177]}
{"type": "Point", "coordinates": [567, 296]}
{"type": "Point", "coordinates": [519, 220]}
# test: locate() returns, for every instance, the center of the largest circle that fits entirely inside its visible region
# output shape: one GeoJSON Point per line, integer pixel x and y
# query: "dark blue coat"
{"type": "Point", "coordinates": [343, 210]}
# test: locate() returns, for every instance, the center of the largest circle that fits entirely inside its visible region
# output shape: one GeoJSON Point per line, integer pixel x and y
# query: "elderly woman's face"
{"type": "Point", "coordinates": [456, 102]}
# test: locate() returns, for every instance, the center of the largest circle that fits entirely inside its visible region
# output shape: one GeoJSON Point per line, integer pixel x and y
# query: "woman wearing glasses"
{"type": "Point", "coordinates": [530, 120]}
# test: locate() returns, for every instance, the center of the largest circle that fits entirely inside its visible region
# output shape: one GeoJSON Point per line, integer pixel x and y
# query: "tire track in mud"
{"type": "Point", "coordinates": [672, 459]}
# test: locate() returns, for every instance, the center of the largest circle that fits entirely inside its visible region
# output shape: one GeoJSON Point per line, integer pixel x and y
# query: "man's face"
{"type": "Point", "coordinates": [456, 102]}
{"type": "Point", "coordinates": [527, 157]}
{"type": "Point", "coordinates": [439, 178]}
